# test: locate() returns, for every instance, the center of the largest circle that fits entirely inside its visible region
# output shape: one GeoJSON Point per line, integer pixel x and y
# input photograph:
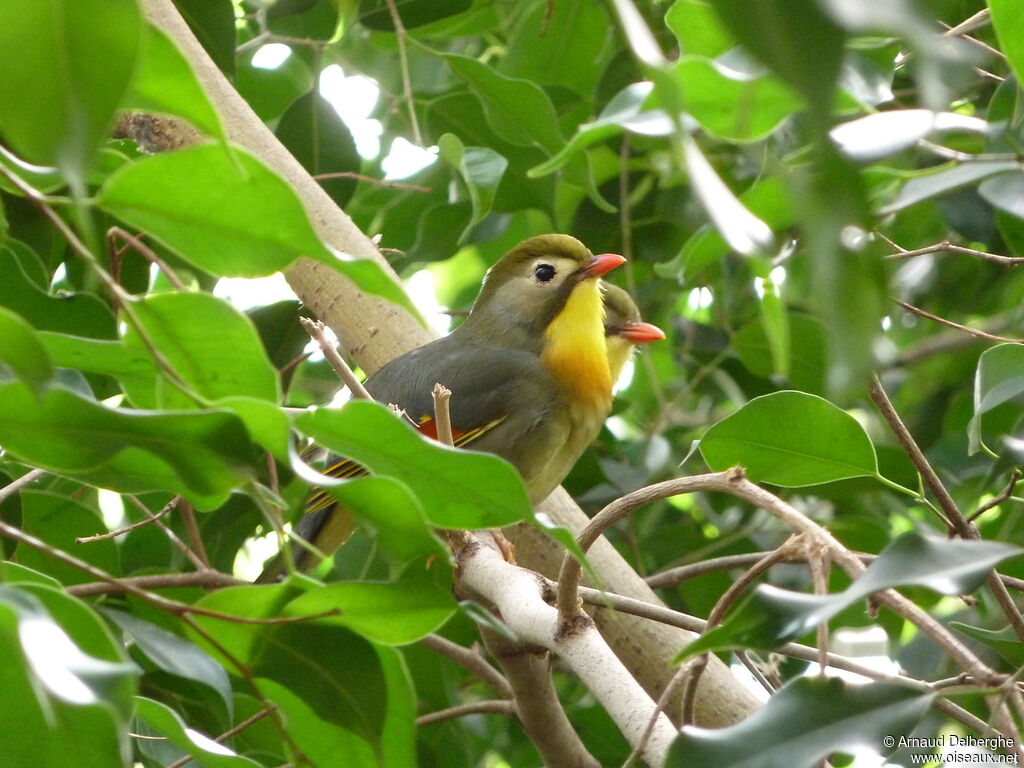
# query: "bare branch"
{"type": "Point", "coordinates": [471, 660]}
{"type": "Point", "coordinates": [949, 323]}
{"type": "Point", "coordinates": [315, 328]}
{"type": "Point", "coordinates": [403, 60]}
{"type": "Point", "coordinates": [497, 706]}
{"type": "Point", "coordinates": [442, 416]}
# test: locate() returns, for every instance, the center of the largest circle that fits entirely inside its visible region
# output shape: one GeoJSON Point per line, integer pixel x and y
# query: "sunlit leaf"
{"type": "Point", "coordinates": [165, 721]}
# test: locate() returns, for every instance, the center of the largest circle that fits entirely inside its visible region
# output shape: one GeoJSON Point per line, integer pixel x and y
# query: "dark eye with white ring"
{"type": "Point", "coordinates": [543, 272]}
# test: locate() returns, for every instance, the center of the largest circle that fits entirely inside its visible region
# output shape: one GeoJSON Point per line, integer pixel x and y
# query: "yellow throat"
{"type": "Point", "coordinates": [575, 350]}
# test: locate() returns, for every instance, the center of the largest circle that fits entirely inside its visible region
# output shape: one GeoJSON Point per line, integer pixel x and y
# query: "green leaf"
{"type": "Point", "coordinates": [881, 134]}
{"type": "Point", "coordinates": [224, 212]}
{"type": "Point", "coordinates": [998, 379]}
{"type": "Point", "coordinates": [334, 670]}
{"type": "Point", "coordinates": [132, 367]}
{"type": "Point", "coordinates": [947, 179]}
{"type": "Point", "coordinates": [396, 613]}
{"type": "Point", "coordinates": [458, 489]}
{"type": "Point", "coordinates": [80, 313]}
{"type": "Point", "coordinates": [1005, 192]}
{"type": "Point", "coordinates": [201, 455]}
{"type": "Point", "coordinates": [315, 134]}
{"type": "Point", "coordinates": [1004, 642]}
{"type": "Point", "coordinates": [480, 168]}
{"type": "Point", "coordinates": [698, 29]}
{"type": "Point", "coordinates": [209, 344]}
{"type": "Point", "coordinates": [807, 359]}
{"type": "Point", "coordinates": [166, 83]}
{"type": "Point", "coordinates": [1009, 27]}
{"type": "Point", "coordinates": [566, 44]}
{"type": "Point", "coordinates": [213, 24]}
{"type": "Point", "coordinates": [790, 439]}
{"type": "Point", "coordinates": [66, 65]}
{"type": "Point", "coordinates": [174, 654]}
{"type": "Point", "coordinates": [806, 721]}
{"type": "Point", "coordinates": [732, 105]}
{"type": "Point", "coordinates": [519, 111]}
{"type": "Point", "coordinates": [797, 40]}
{"type": "Point", "coordinates": [22, 351]}
{"type": "Point", "coordinates": [374, 14]}
{"type": "Point", "coordinates": [57, 699]}
{"type": "Point", "coordinates": [396, 516]}
{"type": "Point", "coordinates": [771, 617]}
{"type": "Point", "coordinates": [168, 723]}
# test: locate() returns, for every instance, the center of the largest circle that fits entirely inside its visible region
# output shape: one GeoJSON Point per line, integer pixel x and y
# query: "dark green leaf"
{"type": "Point", "coordinates": [808, 720]}
{"type": "Point", "coordinates": [319, 139]}
{"type": "Point", "coordinates": [131, 366]}
{"type": "Point", "coordinates": [948, 179]}
{"type": "Point", "coordinates": [201, 455]}
{"type": "Point", "coordinates": [807, 363]}
{"type": "Point", "coordinates": [1004, 642]}
{"type": "Point", "coordinates": [213, 24]}
{"type": "Point", "coordinates": [480, 168]}
{"type": "Point", "coordinates": [22, 351]}
{"type": "Point", "coordinates": [174, 654]}
{"type": "Point", "coordinates": [458, 489]}
{"type": "Point", "coordinates": [790, 439]}
{"type": "Point", "coordinates": [66, 64]}
{"type": "Point", "coordinates": [374, 14]}
{"type": "Point", "coordinates": [1005, 192]}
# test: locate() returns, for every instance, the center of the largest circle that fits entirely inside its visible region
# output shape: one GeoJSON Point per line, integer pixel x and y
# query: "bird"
{"type": "Point", "coordinates": [530, 370]}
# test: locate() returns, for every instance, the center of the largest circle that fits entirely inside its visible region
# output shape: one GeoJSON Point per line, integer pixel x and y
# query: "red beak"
{"type": "Point", "coordinates": [641, 333]}
{"type": "Point", "coordinates": [600, 265]}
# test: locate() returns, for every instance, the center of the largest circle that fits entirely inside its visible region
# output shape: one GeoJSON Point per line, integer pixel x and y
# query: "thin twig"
{"type": "Point", "coordinates": [1005, 494]}
{"type": "Point", "coordinates": [371, 180]}
{"type": "Point", "coordinates": [966, 329]}
{"type": "Point", "coordinates": [188, 516]}
{"type": "Point", "coordinates": [315, 328]}
{"type": "Point", "coordinates": [471, 660]}
{"type": "Point", "coordinates": [209, 579]}
{"type": "Point", "coordinates": [175, 540]}
{"type": "Point", "coordinates": [673, 577]}
{"type": "Point", "coordinates": [136, 242]}
{"type": "Point", "coordinates": [403, 61]}
{"type": "Point", "coordinates": [442, 415]}
{"type": "Point", "coordinates": [947, 247]}
{"type": "Point", "coordinates": [186, 759]}
{"type": "Point", "coordinates": [496, 706]}
{"type": "Point", "coordinates": [126, 529]}
{"type": "Point", "coordinates": [16, 485]}
{"type": "Point", "coordinates": [954, 517]}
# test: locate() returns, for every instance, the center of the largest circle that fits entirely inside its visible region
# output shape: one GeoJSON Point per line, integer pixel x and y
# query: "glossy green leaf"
{"type": "Point", "coordinates": [315, 134]}
{"type": "Point", "coordinates": [808, 720]}
{"type": "Point", "coordinates": [225, 213]}
{"type": "Point", "coordinates": [80, 313]}
{"type": "Point", "coordinates": [480, 168]}
{"type": "Point", "coordinates": [807, 360]}
{"type": "Point", "coordinates": [168, 723]}
{"type": "Point", "coordinates": [790, 439]}
{"type": "Point", "coordinates": [458, 489]}
{"type": "Point", "coordinates": [213, 24]}
{"type": "Point", "coordinates": [947, 179]}
{"type": "Point", "coordinates": [173, 654]}
{"type": "Point", "coordinates": [166, 83]}
{"type": "Point", "coordinates": [771, 617]}
{"type": "Point", "coordinates": [881, 134]}
{"type": "Point", "coordinates": [730, 104]}
{"type": "Point", "coordinates": [998, 379]}
{"type": "Point", "coordinates": [796, 40]}
{"type": "Point", "coordinates": [22, 352]}
{"type": "Point", "coordinates": [201, 455]}
{"type": "Point", "coordinates": [390, 613]}
{"type": "Point", "coordinates": [67, 65]}
{"type": "Point", "coordinates": [519, 111]}
{"type": "Point", "coordinates": [209, 344]}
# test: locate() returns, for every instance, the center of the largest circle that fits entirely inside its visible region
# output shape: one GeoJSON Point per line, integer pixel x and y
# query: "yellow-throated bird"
{"type": "Point", "coordinates": [530, 372]}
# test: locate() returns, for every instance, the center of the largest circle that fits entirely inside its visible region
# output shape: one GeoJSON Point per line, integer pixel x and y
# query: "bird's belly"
{"type": "Point", "coordinates": [580, 426]}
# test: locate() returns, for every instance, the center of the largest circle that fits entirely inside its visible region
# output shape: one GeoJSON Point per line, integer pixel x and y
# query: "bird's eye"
{"type": "Point", "coordinates": [543, 272]}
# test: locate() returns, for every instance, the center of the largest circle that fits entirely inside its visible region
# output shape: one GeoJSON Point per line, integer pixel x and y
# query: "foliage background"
{"type": "Point", "coordinates": [548, 117]}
